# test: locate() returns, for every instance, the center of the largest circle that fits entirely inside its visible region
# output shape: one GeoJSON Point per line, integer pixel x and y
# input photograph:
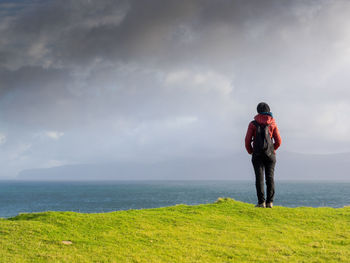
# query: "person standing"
{"type": "Point", "coordinates": [261, 141]}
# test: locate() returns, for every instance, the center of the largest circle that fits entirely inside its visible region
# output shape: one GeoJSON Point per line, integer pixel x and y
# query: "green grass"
{"type": "Point", "coordinates": [225, 231]}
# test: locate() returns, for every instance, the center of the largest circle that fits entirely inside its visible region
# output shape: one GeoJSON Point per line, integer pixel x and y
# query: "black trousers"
{"type": "Point", "coordinates": [263, 163]}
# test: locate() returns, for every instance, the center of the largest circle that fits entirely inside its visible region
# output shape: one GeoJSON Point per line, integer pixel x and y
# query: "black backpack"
{"type": "Point", "coordinates": [262, 144]}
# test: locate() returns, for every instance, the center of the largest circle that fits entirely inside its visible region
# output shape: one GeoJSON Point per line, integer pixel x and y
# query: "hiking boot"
{"type": "Point", "coordinates": [261, 205]}
{"type": "Point", "coordinates": [269, 205]}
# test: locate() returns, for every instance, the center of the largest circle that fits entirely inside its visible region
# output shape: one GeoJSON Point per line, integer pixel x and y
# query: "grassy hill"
{"type": "Point", "coordinates": [225, 231]}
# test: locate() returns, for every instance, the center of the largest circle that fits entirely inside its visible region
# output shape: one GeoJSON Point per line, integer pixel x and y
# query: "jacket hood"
{"type": "Point", "coordinates": [264, 119]}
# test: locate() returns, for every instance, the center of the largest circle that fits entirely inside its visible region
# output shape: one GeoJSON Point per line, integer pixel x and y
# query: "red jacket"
{"type": "Point", "coordinates": [251, 132]}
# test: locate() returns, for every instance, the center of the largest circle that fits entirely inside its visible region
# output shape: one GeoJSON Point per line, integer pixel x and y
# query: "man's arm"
{"type": "Point", "coordinates": [277, 138]}
{"type": "Point", "coordinates": [249, 138]}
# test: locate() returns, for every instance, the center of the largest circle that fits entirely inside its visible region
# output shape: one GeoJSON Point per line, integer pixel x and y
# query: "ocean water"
{"type": "Point", "coordinates": [101, 196]}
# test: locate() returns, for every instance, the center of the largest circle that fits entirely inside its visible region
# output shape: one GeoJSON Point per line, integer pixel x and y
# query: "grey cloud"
{"type": "Point", "coordinates": [32, 96]}
{"type": "Point", "coordinates": [131, 79]}
{"type": "Point", "coordinates": [155, 31]}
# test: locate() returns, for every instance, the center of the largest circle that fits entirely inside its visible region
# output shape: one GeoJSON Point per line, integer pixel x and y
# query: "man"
{"type": "Point", "coordinates": [264, 135]}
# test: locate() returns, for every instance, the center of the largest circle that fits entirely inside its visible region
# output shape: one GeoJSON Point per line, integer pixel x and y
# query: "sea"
{"type": "Point", "coordinates": [105, 196]}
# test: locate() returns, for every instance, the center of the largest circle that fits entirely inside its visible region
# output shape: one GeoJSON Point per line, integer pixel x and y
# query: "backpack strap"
{"type": "Point", "coordinates": [258, 124]}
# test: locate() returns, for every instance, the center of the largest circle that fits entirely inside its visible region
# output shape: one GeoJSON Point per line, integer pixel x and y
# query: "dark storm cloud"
{"type": "Point", "coordinates": [235, 38]}
{"type": "Point", "coordinates": [239, 39]}
{"type": "Point", "coordinates": [152, 31]}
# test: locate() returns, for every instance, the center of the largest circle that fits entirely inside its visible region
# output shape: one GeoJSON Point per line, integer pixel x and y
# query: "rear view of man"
{"type": "Point", "coordinates": [264, 135]}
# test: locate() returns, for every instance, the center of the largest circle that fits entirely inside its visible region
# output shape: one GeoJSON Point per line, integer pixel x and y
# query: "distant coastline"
{"type": "Point", "coordinates": [290, 166]}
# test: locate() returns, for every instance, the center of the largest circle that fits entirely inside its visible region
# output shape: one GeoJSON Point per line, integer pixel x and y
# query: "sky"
{"type": "Point", "coordinates": [149, 81]}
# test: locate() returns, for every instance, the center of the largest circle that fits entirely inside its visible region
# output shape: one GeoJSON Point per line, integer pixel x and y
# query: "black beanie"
{"type": "Point", "coordinates": [263, 107]}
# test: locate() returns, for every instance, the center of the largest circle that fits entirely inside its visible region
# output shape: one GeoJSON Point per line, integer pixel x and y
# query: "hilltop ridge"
{"type": "Point", "coordinates": [224, 231]}
{"type": "Point", "coordinates": [290, 166]}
